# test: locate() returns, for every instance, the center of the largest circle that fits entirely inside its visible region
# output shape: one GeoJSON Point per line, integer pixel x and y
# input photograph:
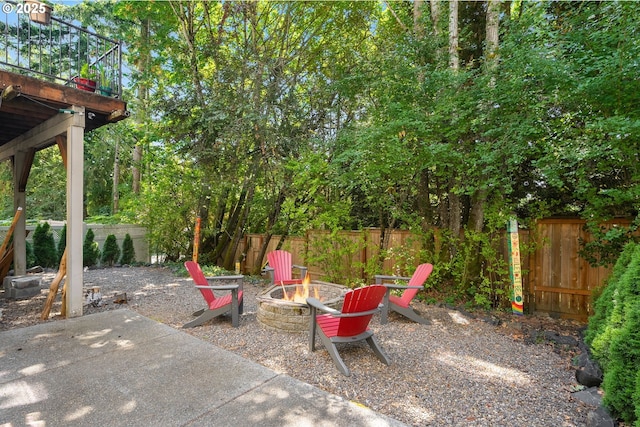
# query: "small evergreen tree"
{"type": "Point", "coordinates": [128, 252]}
{"type": "Point", "coordinates": [62, 243]}
{"type": "Point", "coordinates": [620, 378]}
{"type": "Point", "coordinates": [110, 250]}
{"type": "Point", "coordinates": [31, 259]}
{"type": "Point", "coordinates": [44, 247]}
{"type": "Point", "coordinates": [90, 250]}
{"type": "Point", "coordinates": [614, 336]}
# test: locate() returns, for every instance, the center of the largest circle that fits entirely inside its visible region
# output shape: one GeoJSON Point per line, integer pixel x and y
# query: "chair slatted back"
{"type": "Point", "coordinates": [361, 299]}
{"type": "Point", "coordinates": [200, 280]}
{"type": "Point", "coordinates": [420, 276]}
{"type": "Point", "coordinates": [280, 261]}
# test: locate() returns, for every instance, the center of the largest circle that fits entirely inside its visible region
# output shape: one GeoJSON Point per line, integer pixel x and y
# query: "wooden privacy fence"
{"type": "Point", "coordinates": [556, 279]}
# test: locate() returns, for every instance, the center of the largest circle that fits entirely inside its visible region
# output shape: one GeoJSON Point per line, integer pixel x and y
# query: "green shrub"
{"type": "Point", "coordinates": [128, 252]}
{"type": "Point", "coordinates": [44, 247]}
{"type": "Point", "coordinates": [31, 259]}
{"type": "Point", "coordinates": [110, 250]}
{"type": "Point", "coordinates": [62, 243]}
{"type": "Point", "coordinates": [610, 308]}
{"type": "Point", "coordinates": [636, 399]}
{"type": "Point", "coordinates": [614, 336]}
{"type": "Point", "coordinates": [603, 305]}
{"type": "Point", "coordinates": [621, 377]}
{"type": "Point", "coordinates": [90, 250]}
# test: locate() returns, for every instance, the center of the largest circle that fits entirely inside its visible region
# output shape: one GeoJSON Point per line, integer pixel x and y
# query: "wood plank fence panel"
{"type": "Point", "coordinates": [561, 282]}
{"type": "Point", "coordinates": [556, 279]}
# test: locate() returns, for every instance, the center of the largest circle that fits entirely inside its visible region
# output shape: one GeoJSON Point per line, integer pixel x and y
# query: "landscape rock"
{"type": "Point", "coordinates": [590, 396]}
{"type": "Point", "coordinates": [600, 418]}
{"type": "Point", "coordinates": [589, 374]}
{"type": "Point", "coordinates": [564, 340]}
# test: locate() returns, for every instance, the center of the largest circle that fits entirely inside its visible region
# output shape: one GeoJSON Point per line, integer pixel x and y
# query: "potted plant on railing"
{"type": "Point", "coordinates": [86, 80]}
{"type": "Point", "coordinates": [104, 87]}
{"type": "Point", "coordinates": [39, 12]}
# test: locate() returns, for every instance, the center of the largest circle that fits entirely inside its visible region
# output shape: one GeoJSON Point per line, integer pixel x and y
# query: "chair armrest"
{"type": "Point", "coordinates": [302, 268]}
{"type": "Point", "coordinates": [381, 278]}
{"type": "Point", "coordinates": [395, 286]}
{"type": "Point", "coordinates": [360, 313]}
{"type": "Point", "coordinates": [232, 277]}
{"type": "Point", "coordinates": [224, 287]}
{"type": "Point", "coordinates": [314, 302]}
{"type": "Point", "coordinates": [220, 287]}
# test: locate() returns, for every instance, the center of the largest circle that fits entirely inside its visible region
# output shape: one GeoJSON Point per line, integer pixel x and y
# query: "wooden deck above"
{"type": "Point", "coordinates": [27, 102]}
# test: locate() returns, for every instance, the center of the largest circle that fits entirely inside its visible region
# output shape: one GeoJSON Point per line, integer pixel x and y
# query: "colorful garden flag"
{"type": "Point", "coordinates": [515, 268]}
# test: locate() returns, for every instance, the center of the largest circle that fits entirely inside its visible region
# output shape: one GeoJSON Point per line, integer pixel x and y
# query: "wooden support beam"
{"type": "Point", "coordinates": [26, 169]}
{"type": "Point", "coordinates": [43, 135]}
{"type": "Point", "coordinates": [48, 92]}
{"type": "Point", "coordinates": [53, 288]}
{"type": "Point", "coordinates": [117, 115]}
{"type": "Point", "coordinates": [10, 92]}
{"type": "Point", "coordinates": [7, 238]}
{"type": "Point", "coordinates": [62, 146]}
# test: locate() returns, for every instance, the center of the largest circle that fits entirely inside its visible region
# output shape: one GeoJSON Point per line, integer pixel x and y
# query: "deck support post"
{"type": "Point", "coordinates": [75, 200]}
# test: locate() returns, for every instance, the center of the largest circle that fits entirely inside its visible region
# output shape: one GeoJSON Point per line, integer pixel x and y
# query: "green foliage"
{"type": "Point", "coordinates": [607, 243]}
{"type": "Point", "coordinates": [614, 334]}
{"type": "Point", "coordinates": [334, 254]}
{"type": "Point", "coordinates": [636, 399]}
{"type": "Point", "coordinates": [169, 205]}
{"type": "Point", "coordinates": [611, 307]}
{"type": "Point", "coordinates": [490, 288]}
{"type": "Point", "coordinates": [110, 250]}
{"type": "Point", "coordinates": [31, 259]}
{"type": "Point", "coordinates": [595, 335]}
{"type": "Point", "coordinates": [44, 248]}
{"type": "Point", "coordinates": [128, 252]}
{"type": "Point", "coordinates": [621, 376]}
{"type": "Point", "coordinates": [90, 250]}
{"type": "Point", "coordinates": [87, 72]}
{"type": "Point", "coordinates": [207, 269]}
{"type": "Point", "coordinates": [62, 242]}
{"type": "Point", "coordinates": [344, 116]}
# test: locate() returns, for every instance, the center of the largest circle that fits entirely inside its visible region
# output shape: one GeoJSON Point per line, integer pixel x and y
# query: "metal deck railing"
{"type": "Point", "coordinates": [45, 47]}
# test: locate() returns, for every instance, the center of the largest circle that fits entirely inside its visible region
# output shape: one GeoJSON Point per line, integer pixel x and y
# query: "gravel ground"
{"type": "Point", "coordinates": [458, 371]}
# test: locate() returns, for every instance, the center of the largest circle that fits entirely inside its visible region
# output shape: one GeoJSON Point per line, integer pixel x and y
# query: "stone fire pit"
{"type": "Point", "coordinates": [290, 316]}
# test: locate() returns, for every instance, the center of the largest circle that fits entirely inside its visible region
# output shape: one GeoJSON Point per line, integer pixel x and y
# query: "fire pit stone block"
{"type": "Point", "coordinates": [289, 316]}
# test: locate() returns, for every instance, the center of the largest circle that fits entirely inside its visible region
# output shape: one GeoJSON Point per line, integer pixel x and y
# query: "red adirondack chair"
{"type": "Point", "coordinates": [400, 304]}
{"type": "Point", "coordinates": [350, 325]}
{"type": "Point", "coordinates": [216, 306]}
{"type": "Point", "coordinates": [280, 268]}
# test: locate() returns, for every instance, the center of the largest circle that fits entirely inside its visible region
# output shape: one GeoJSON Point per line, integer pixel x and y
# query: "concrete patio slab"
{"type": "Point", "coordinates": [117, 368]}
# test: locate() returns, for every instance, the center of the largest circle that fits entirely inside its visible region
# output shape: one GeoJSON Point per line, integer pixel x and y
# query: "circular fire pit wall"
{"type": "Point", "coordinates": [278, 313]}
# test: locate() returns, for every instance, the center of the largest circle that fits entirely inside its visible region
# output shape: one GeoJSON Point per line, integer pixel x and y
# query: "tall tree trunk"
{"type": "Point", "coordinates": [435, 16]}
{"type": "Point", "coordinates": [230, 257]}
{"type": "Point", "coordinates": [222, 245]}
{"type": "Point", "coordinates": [454, 58]}
{"type": "Point", "coordinates": [143, 98]}
{"type": "Point", "coordinates": [116, 179]}
{"type": "Point", "coordinates": [492, 41]}
{"type": "Point", "coordinates": [454, 66]}
{"type": "Point", "coordinates": [271, 221]}
{"type": "Point", "coordinates": [479, 198]}
{"type": "Point", "coordinates": [424, 201]}
{"type": "Point", "coordinates": [418, 28]}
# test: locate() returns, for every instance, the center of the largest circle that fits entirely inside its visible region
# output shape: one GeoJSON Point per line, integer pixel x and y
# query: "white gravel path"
{"type": "Point", "coordinates": [458, 371]}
